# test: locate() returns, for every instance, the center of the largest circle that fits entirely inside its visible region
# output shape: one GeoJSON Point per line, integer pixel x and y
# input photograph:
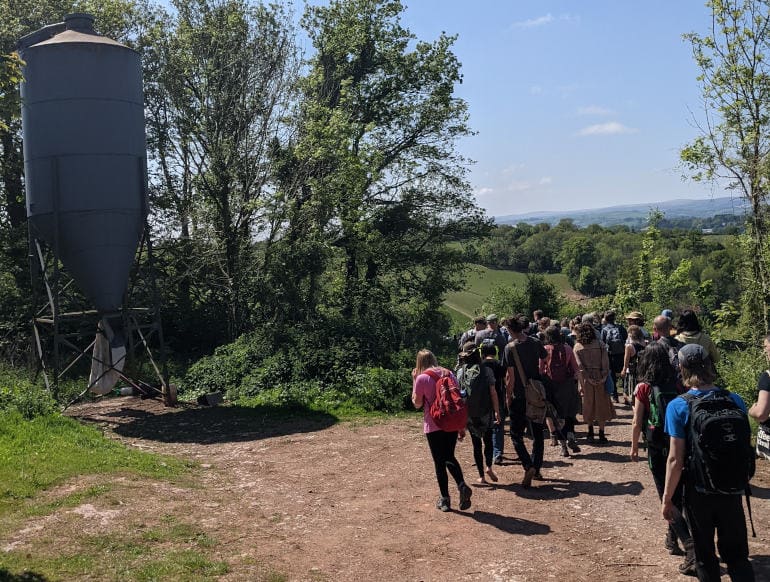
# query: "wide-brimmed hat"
{"type": "Point", "coordinates": [635, 315]}
{"type": "Point", "coordinates": [467, 349]}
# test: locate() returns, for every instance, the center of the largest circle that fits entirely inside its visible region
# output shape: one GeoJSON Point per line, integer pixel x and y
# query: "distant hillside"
{"type": "Point", "coordinates": [635, 215]}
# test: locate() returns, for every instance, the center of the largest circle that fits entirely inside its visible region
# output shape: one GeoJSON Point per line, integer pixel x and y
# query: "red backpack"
{"type": "Point", "coordinates": [557, 364]}
{"type": "Point", "coordinates": [448, 410]}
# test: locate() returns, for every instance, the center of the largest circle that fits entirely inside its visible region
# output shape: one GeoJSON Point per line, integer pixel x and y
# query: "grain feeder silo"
{"type": "Point", "coordinates": [85, 167]}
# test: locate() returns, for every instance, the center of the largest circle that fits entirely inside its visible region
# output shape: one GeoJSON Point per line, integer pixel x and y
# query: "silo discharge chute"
{"type": "Point", "coordinates": [85, 166]}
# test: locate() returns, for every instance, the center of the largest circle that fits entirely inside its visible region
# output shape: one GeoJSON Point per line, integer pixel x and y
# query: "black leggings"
{"type": "Point", "coordinates": [442, 448]}
{"type": "Point", "coordinates": [480, 459]}
{"type": "Point", "coordinates": [569, 424]}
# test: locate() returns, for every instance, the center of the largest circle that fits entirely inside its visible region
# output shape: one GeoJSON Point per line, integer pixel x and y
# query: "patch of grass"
{"type": "Point", "coordinates": [181, 565]}
{"type": "Point", "coordinates": [72, 500]}
{"type": "Point", "coordinates": [480, 281]}
{"type": "Point", "coordinates": [46, 451]}
{"type": "Point", "coordinates": [170, 550]}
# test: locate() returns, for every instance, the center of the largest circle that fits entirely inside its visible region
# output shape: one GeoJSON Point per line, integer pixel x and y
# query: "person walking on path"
{"type": "Point", "coordinates": [559, 370]}
{"type": "Point", "coordinates": [593, 368]}
{"type": "Point", "coordinates": [657, 379]}
{"type": "Point", "coordinates": [614, 337]}
{"type": "Point", "coordinates": [690, 332]}
{"type": "Point", "coordinates": [634, 345]}
{"type": "Point", "coordinates": [478, 381]}
{"type": "Point", "coordinates": [529, 351]}
{"type": "Point", "coordinates": [441, 443]}
{"type": "Point", "coordinates": [708, 511]}
{"type": "Point", "coordinates": [492, 335]}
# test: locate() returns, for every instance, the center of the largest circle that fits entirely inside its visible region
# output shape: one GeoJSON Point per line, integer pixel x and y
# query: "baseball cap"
{"type": "Point", "coordinates": [692, 355]}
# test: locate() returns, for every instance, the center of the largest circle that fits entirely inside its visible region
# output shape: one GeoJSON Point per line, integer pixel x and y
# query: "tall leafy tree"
{"type": "Point", "coordinates": [734, 140]}
{"type": "Point", "coordinates": [381, 181]}
{"type": "Point", "coordinates": [221, 77]}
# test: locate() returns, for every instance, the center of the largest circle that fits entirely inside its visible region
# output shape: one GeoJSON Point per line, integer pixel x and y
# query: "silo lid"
{"type": "Point", "coordinates": [79, 28]}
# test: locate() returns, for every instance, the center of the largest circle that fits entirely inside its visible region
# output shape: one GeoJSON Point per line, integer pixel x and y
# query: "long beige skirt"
{"type": "Point", "coordinates": [597, 404]}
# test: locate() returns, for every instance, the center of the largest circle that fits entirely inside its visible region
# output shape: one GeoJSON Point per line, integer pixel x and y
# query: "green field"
{"type": "Point", "coordinates": [463, 305]}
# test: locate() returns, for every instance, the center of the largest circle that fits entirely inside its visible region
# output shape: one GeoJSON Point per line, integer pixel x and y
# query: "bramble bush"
{"type": "Point", "coordinates": [303, 369]}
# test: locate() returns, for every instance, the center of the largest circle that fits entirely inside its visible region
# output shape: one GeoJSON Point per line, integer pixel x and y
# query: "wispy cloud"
{"type": "Point", "coordinates": [484, 191]}
{"type": "Point", "coordinates": [535, 90]}
{"type": "Point", "coordinates": [544, 20]}
{"type": "Point", "coordinates": [527, 185]}
{"type": "Point", "coordinates": [610, 128]}
{"type": "Point", "coordinates": [595, 110]}
{"type": "Point", "coordinates": [533, 22]}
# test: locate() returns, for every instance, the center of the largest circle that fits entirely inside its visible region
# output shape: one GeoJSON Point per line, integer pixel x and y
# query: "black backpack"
{"type": "Point", "coordinates": [721, 458]}
{"type": "Point", "coordinates": [472, 381]}
{"type": "Point", "coordinates": [659, 400]}
{"type": "Point", "coordinates": [616, 345]}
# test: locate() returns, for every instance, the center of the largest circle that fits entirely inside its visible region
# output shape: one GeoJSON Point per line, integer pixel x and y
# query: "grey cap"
{"type": "Point", "coordinates": [692, 355]}
{"type": "Point", "coordinates": [492, 317]}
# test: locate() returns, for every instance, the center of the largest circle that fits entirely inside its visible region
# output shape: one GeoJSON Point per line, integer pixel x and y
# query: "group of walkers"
{"type": "Point", "coordinates": [542, 374]}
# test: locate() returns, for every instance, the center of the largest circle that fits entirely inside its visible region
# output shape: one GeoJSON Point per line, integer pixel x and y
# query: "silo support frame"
{"type": "Point", "coordinates": [56, 332]}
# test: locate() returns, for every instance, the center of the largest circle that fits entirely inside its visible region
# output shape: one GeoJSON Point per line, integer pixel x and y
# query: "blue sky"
{"type": "Point", "coordinates": [576, 104]}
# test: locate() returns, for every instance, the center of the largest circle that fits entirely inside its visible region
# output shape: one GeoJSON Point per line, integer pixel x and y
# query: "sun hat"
{"type": "Point", "coordinates": [635, 315]}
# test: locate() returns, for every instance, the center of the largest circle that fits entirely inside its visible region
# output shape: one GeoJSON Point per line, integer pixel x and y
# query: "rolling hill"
{"type": "Point", "coordinates": [633, 215]}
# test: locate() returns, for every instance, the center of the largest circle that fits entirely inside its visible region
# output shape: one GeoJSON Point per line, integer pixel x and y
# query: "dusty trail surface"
{"type": "Point", "coordinates": [318, 500]}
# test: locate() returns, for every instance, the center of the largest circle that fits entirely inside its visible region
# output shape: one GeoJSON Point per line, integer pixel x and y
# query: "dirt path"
{"type": "Point", "coordinates": [314, 500]}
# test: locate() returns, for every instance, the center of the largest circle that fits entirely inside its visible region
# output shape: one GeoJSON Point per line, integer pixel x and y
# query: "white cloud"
{"type": "Point", "coordinates": [532, 22]}
{"type": "Point", "coordinates": [484, 191]}
{"type": "Point", "coordinates": [527, 186]}
{"type": "Point", "coordinates": [594, 110]}
{"type": "Point", "coordinates": [610, 128]}
{"type": "Point", "coordinates": [544, 20]}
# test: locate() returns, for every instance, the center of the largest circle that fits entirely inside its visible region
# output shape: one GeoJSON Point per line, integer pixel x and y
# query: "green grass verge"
{"type": "Point", "coordinates": [171, 550]}
{"type": "Point", "coordinates": [36, 455]}
{"type": "Point", "coordinates": [40, 453]}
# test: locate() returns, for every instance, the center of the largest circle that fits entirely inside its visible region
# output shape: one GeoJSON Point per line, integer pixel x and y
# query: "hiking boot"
{"type": "Point", "coordinates": [672, 545]}
{"type": "Point", "coordinates": [498, 460]}
{"type": "Point", "coordinates": [538, 476]}
{"type": "Point", "coordinates": [564, 449]}
{"type": "Point", "coordinates": [443, 504]}
{"type": "Point", "coordinates": [602, 439]}
{"type": "Point", "coordinates": [529, 474]}
{"type": "Point", "coordinates": [590, 437]}
{"type": "Point", "coordinates": [465, 496]}
{"type": "Point", "coordinates": [687, 567]}
{"type": "Point", "coordinates": [572, 442]}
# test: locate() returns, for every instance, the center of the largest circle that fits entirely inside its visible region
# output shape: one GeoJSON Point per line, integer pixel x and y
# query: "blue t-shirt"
{"type": "Point", "coordinates": [678, 412]}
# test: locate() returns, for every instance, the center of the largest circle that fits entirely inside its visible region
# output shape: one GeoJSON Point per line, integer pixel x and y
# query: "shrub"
{"type": "Point", "coordinates": [738, 372]}
{"type": "Point", "coordinates": [19, 394]}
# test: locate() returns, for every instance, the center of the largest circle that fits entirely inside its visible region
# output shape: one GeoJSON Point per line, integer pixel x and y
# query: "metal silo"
{"type": "Point", "coordinates": [84, 153]}
{"type": "Point", "coordinates": [85, 167]}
